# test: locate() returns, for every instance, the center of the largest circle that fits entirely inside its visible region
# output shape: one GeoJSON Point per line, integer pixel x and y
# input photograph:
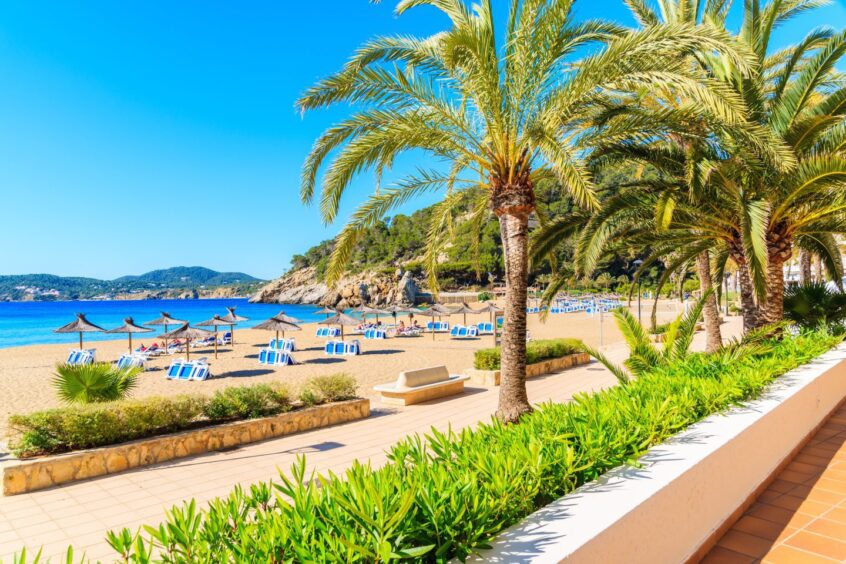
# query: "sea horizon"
{"type": "Point", "coordinates": [33, 323]}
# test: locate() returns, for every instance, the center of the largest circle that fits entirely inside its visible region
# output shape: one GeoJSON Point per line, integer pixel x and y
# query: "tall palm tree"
{"type": "Point", "coordinates": [499, 116]}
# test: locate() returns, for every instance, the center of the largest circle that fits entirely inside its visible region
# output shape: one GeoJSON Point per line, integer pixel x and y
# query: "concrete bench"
{"type": "Point", "coordinates": [416, 386]}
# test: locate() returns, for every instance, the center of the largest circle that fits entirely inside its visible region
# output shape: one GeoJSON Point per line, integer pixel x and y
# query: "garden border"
{"type": "Point", "coordinates": [491, 377]}
{"type": "Point", "coordinates": [688, 490]}
{"type": "Point", "coordinates": [21, 476]}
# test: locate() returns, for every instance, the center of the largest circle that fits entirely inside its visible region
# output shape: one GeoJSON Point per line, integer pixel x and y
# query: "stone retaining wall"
{"type": "Point", "coordinates": [491, 377]}
{"type": "Point", "coordinates": [31, 475]}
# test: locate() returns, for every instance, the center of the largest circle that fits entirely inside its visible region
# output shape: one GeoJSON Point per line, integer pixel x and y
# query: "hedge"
{"type": "Point", "coordinates": [87, 426]}
{"type": "Point", "coordinates": [448, 494]}
{"type": "Point", "coordinates": [536, 351]}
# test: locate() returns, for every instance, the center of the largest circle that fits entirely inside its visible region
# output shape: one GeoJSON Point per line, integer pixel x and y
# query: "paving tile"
{"type": "Point", "coordinates": [759, 527]}
{"type": "Point", "coordinates": [745, 543]}
{"type": "Point", "coordinates": [827, 527]}
{"type": "Point", "coordinates": [722, 555]}
{"type": "Point", "coordinates": [818, 544]}
{"type": "Point", "coordinates": [784, 554]}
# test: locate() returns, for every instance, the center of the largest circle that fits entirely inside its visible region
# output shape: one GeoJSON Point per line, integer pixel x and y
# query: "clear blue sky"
{"type": "Point", "coordinates": [141, 135]}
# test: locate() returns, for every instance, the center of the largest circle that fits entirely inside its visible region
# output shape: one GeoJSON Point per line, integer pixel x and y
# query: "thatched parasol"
{"type": "Point", "coordinates": [464, 310]}
{"type": "Point", "coordinates": [189, 334]}
{"type": "Point", "coordinates": [286, 318]}
{"type": "Point", "coordinates": [233, 319]}
{"type": "Point", "coordinates": [341, 319]}
{"type": "Point", "coordinates": [396, 309]}
{"type": "Point", "coordinates": [278, 324]}
{"type": "Point", "coordinates": [129, 327]}
{"type": "Point", "coordinates": [433, 313]}
{"type": "Point", "coordinates": [166, 320]}
{"type": "Point", "coordinates": [81, 325]}
{"type": "Point", "coordinates": [215, 322]}
{"type": "Point", "coordinates": [367, 310]}
{"type": "Point", "coordinates": [327, 310]}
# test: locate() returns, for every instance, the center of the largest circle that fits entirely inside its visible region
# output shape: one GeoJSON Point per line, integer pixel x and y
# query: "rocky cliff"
{"type": "Point", "coordinates": [302, 287]}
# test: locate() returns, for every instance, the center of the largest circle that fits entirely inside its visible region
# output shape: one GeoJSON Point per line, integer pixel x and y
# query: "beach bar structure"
{"type": "Point", "coordinates": [80, 325]}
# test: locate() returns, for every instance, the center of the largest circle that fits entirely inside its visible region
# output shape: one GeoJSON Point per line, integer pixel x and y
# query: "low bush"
{"type": "Point", "coordinates": [87, 426]}
{"type": "Point", "coordinates": [98, 424]}
{"type": "Point", "coordinates": [446, 495]}
{"type": "Point", "coordinates": [485, 297]}
{"type": "Point", "coordinates": [326, 389]}
{"type": "Point", "coordinates": [813, 304]}
{"type": "Point", "coordinates": [247, 402]}
{"type": "Point", "coordinates": [536, 351]}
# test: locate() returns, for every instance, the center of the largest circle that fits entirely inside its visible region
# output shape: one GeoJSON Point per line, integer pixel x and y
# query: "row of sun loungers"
{"type": "Point", "coordinates": [374, 333]}
{"type": "Point", "coordinates": [462, 332]}
{"type": "Point", "coordinates": [284, 345]}
{"type": "Point", "coordinates": [328, 332]}
{"type": "Point", "coordinates": [438, 326]}
{"type": "Point", "coordinates": [134, 360]}
{"type": "Point", "coordinates": [195, 370]}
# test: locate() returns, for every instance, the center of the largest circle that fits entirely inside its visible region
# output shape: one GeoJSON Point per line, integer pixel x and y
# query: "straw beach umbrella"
{"type": "Point", "coordinates": [215, 322]}
{"type": "Point", "coordinates": [464, 310]}
{"type": "Point", "coordinates": [341, 319]}
{"type": "Point", "coordinates": [189, 334]}
{"type": "Point", "coordinates": [80, 325]}
{"type": "Point", "coordinates": [286, 318]}
{"type": "Point", "coordinates": [367, 310]}
{"type": "Point", "coordinates": [233, 320]}
{"type": "Point", "coordinates": [327, 310]}
{"type": "Point", "coordinates": [277, 323]}
{"type": "Point", "coordinates": [129, 327]}
{"type": "Point", "coordinates": [397, 309]}
{"type": "Point", "coordinates": [165, 320]}
{"type": "Point", "coordinates": [433, 313]}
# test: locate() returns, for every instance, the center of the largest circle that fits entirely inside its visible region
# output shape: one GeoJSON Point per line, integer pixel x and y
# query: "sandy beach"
{"type": "Point", "coordinates": [26, 372]}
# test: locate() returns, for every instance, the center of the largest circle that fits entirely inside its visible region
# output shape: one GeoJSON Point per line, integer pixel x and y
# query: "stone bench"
{"type": "Point", "coordinates": [424, 384]}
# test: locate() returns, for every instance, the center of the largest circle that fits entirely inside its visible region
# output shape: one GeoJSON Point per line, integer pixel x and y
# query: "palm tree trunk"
{"type": "Point", "coordinates": [773, 309]}
{"type": "Point", "coordinates": [513, 400]}
{"type": "Point", "coordinates": [818, 269]}
{"type": "Point", "coordinates": [711, 312]}
{"type": "Point", "coordinates": [804, 267]}
{"type": "Point", "coordinates": [513, 201]}
{"type": "Point", "coordinates": [747, 295]}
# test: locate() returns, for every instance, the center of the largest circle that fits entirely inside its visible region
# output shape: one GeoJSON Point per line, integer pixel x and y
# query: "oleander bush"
{"type": "Point", "coordinates": [536, 351]}
{"type": "Point", "coordinates": [98, 424]}
{"type": "Point", "coordinates": [96, 382]}
{"type": "Point", "coordinates": [447, 495]}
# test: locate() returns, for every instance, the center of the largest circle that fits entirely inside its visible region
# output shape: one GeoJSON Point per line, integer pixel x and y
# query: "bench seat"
{"type": "Point", "coordinates": [416, 386]}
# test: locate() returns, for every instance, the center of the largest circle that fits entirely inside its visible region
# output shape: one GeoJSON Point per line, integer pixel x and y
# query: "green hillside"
{"type": "Point", "coordinates": [158, 282]}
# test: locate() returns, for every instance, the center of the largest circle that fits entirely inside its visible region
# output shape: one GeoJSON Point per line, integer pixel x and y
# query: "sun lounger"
{"type": "Point", "coordinates": [462, 332]}
{"type": "Point", "coordinates": [286, 345]}
{"type": "Point", "coordinates": [81, 356]}
{"type": "Point", "coordinates": [415, 386]}
{"type": "Point", "coordinates": [275, 357]}
{"type": "Point", "coordinates": [183, 370]}
{"type": "Point", "coordinates": [226, 339]}
{"type": "Point", "coordinates": [343, 348]}
{"type": "Point", "coordinates": [438, 326]}
{"type": "Point", "coordinates": [485, 328]}
{"type": "Point", "coordinates": [375, 334]}
{"type": "Point", "coordinates": [328, 332]}
{"type": "Point", "coordinates": [409, 332]}
{"type": "Point", "coordinates": [138, 360]}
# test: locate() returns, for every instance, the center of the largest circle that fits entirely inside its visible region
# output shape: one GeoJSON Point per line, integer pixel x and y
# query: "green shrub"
{"type": "Point", "coordinates": [536, 351]}
{"type": "Point", "coordinates": [91, 383]}
{"type": "Point", "coordinates": [447, 495]}
{"type": "Point", "coordinates": [87, 426]}
{"type": "Point", "coordinates": [812, 304]}
{"type": "Point", "coordinates": [326, 389]}
{"type": "Point", "coordinates": [485, 296]}
{"type": "Point", "coordinates": [247, 402]}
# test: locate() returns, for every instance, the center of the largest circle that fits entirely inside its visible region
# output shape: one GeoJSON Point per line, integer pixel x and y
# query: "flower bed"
{"type": "Point", "coordinates": [536, 351]}
{"type": "Point", "coordinates": [449, 495]}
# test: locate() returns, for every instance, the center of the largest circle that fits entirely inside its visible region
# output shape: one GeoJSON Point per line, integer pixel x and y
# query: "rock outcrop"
{"type": "Point", "coordinates": [302, 287]}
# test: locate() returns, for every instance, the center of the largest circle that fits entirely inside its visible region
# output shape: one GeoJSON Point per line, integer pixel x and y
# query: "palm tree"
{"type": "Point", "coordinates": [499, 117]}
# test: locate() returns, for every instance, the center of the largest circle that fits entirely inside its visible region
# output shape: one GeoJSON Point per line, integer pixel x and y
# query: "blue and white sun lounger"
{"type": "Point", "coordinates": [275, 357]}
{"type": "Point", "coordinates": [485, 328]}
{"type": "Point", "coordinates": [182, 370]}
{"type": "Point", "coordinates": [328, 332]}
{"type": "Point", "coordinates": [343, 348]}
{"type": "Point", "coordinates": [132, 360]}
{"type": "Point", "coordinates": [462, 332]}
{"type": "Point", "coordinates": [375, 334]}
{"type": "Point", "coordinates": [84, 356]}
{"type": "Point", "coordinates": [286, 345]}
{"type": "Point", "coordinates": [438, 326]}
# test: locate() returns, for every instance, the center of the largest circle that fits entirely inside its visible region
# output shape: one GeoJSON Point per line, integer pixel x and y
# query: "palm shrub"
{"type": "Point", "coordinates": [536, 351]}
{"type": "Point", "coordinates": [502, 109]}
{"type": "Point", "coordinates": [97, 382]}
{"type": "Point", "coordinates": [813, 304]}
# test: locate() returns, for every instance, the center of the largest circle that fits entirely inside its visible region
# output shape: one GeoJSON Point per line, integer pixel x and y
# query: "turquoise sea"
{"type": "Point", "coordinates": [31, 323]}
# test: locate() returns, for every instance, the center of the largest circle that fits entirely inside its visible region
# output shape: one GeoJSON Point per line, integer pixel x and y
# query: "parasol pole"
{"type": "Point", "coordinates": [215, 341]}
{"type": "Point", "coordinates": [188, 350]}
{"type": "Point", "coordinates": [80, 340]}
{"type": "Point", "coordinates": [130, 342]}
